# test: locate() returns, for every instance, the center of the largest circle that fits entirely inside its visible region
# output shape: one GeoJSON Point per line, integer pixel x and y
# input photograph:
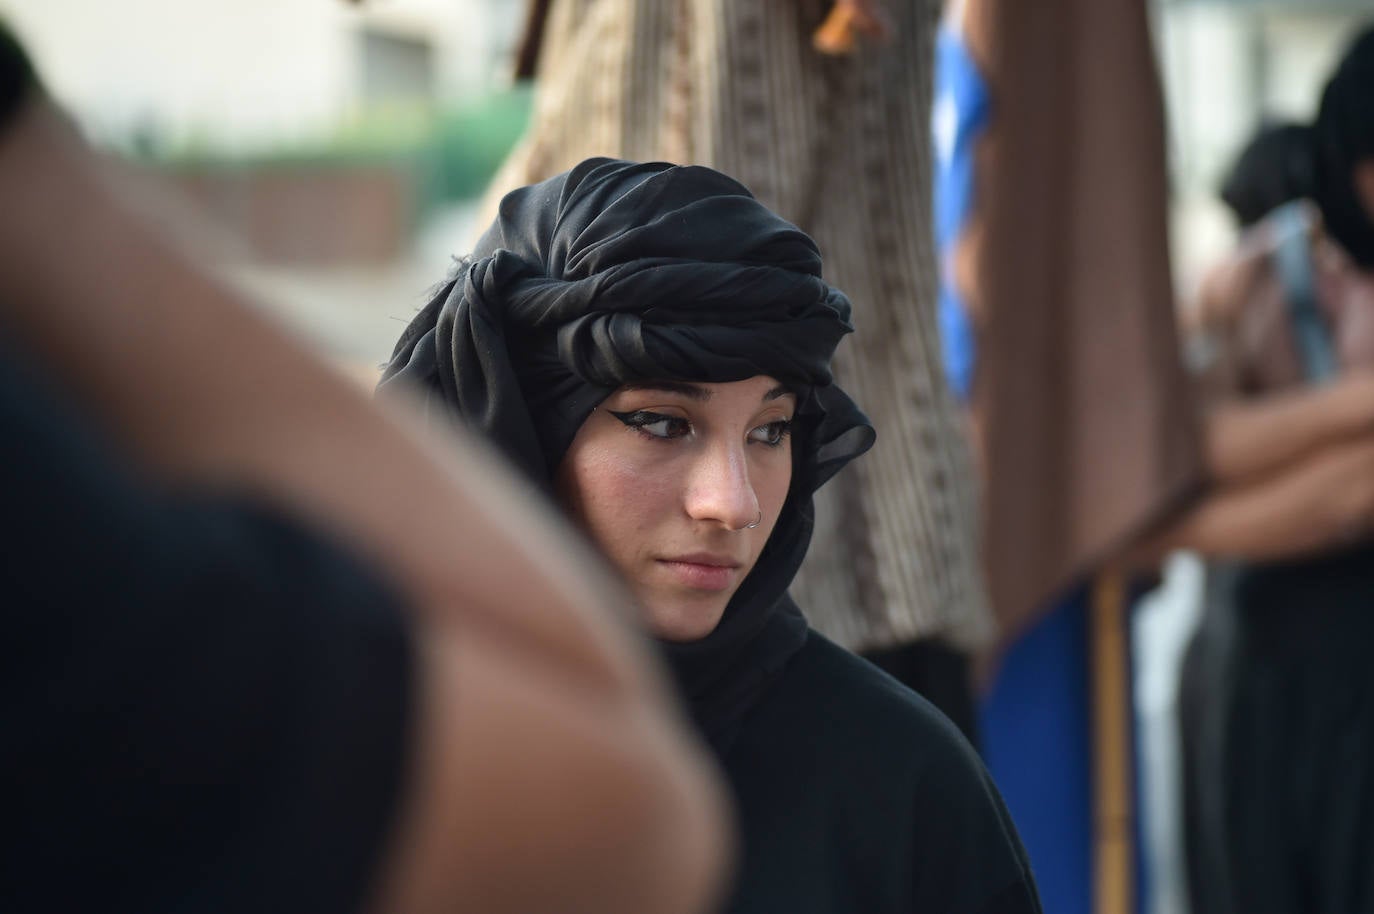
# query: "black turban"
{"type": "Point", "coordinates": [1345, 137]}
{"type": "Point", "coordinates": [619, 271]}
{"type": "Point", "coordinates": [1274, 168]}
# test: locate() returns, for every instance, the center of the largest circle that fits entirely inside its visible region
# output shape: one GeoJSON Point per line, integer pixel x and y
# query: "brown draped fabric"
{"type": "Point", "coordinates": [1085, 421]}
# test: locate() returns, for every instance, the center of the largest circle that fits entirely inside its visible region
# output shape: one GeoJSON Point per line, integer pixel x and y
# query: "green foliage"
{"type": "Point", "coordinates": [451, 153]}
{"type": "Point", "coordinates": [469, 144]}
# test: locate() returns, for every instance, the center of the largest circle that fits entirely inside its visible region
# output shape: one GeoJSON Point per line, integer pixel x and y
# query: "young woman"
{"type": "Point", "coordinates": [651, 346]}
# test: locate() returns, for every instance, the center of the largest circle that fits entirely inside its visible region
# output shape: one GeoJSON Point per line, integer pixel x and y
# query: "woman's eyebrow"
{"type": "Point", "coordinates": [779, 391]}
{"type": "Point", "coordinates": [691, 391]}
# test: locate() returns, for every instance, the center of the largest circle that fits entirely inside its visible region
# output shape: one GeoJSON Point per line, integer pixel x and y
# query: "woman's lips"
{"type": "Point", "coordinates": [702, 572]}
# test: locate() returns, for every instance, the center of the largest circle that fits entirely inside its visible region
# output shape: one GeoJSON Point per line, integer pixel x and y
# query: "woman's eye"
{"type": "Point", "coordinates": [655, 425]}
{"type": "Point", "coordinates": [773, 433]}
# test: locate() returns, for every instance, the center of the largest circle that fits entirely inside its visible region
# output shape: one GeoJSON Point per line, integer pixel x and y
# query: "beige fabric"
{"type": "Point", "coordinates": [841, 147]}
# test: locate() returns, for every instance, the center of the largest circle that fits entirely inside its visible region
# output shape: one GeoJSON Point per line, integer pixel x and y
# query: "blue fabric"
{"type": "Point", "coordinates": [1294, 261]}
{"type": "Point", "coordinates": [959, 116]}
{"type": "Point", "coordinates": [1036, 730]}
{"type": "Point", "coordinates": [1035, 724]}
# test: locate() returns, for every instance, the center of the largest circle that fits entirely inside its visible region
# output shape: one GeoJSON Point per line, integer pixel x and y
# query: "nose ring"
{"type": "Point", "coordinates": [756, 522]}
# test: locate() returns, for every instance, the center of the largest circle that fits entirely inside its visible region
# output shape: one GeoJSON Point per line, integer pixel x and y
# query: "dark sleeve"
{"type": "Point", "coordinates": [205, 704]}
{"type": "Point", "coordinates": [16, 75]}
{"type": "Point", "coordinates": [973, 860]}
{"type": "Point", "coordinates": [1017, 898]}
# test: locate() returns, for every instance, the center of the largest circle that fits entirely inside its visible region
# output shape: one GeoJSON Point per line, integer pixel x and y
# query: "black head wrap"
{"type": "Point", "coordinates": [1274, 168]}
{"type": "Point", "coordinates": [1345, 137]}
{"type": "Point", "coordinates": [617, 272]}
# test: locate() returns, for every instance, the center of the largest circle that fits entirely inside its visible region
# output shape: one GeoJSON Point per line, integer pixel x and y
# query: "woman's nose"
{"type": "Point", "coordinates": [719, 488]}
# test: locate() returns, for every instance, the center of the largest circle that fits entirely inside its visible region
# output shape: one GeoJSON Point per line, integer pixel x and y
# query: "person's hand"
{"type": "Point", "coordinates": [847, 20]}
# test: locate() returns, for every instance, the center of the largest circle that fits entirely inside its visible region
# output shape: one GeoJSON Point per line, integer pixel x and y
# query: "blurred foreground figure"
{"type": "Point", "coordinates": [1277, 697]}
{"type": "Point", "coordinates": [840, 146]}
{"type": "Point", "coordinates": [269, 649]}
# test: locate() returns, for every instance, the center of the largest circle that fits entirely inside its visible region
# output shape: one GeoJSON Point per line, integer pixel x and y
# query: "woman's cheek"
{"type": "Point", "coordinates": [626, 492]}
{"type": "Point", "coordinates": [773, 478]}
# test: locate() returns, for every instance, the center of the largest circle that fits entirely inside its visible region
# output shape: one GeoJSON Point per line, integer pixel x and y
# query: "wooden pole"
{"type": "Point", "coordinates": [1113, 756]}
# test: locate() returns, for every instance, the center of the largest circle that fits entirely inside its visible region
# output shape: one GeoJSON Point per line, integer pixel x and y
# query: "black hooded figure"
{"type": "Point", "coordinates": [853, 793]}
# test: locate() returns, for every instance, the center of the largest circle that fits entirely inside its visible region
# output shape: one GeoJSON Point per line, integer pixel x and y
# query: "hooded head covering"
{"type": "Point", "coordinates": [1344, 137]}
{"type": "Point", "coordinates": [617, 272]}
{"type": "Point", "coordinates": [1275, 167]}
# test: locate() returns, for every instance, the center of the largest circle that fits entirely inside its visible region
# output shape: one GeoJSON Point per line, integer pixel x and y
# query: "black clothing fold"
{"type": "Point", "coordinates": [939, 674]}
{"type": "Point", "coordinates": [1278, 740]}
{"type": "Point", "coordinates": [904, 824]}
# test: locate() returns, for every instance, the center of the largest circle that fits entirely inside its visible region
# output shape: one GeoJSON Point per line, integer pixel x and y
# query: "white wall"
{"type": "Point", "coordinates": [241, 73]}
{"type": "Point", "coordinates": [1226, 66]}
{"type": "Point", "coordinates": [1302, 49]}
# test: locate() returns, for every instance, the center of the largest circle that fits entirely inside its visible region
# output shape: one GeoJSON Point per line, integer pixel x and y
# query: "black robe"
{"type": "Point", "coordinates": [1277, 719]}
{"type": "Point", "coordinates": [855, 795]}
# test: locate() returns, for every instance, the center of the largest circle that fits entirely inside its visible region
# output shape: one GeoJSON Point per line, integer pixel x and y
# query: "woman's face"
{"type": "Point", "coordinates": [668, 477]}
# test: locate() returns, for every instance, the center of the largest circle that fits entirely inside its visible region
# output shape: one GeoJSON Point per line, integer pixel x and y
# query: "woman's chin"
{"type": "Point", "coordinates": [680, 622]}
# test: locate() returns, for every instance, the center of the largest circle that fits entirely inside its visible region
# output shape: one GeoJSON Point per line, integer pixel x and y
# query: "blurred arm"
{"type": "Point", "coordinates": [1255, 438]}
{"type": "Point", "coordinates": [529, 793]}
{"type": "Point", "coordinates": [204, 391]}
{"type": "Point", "coordinates": [548, 770]}
{"type": "Point", "coordinates": [1322, 500]}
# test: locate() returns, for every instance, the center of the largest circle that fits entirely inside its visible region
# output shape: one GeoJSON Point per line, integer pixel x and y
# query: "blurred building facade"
{"type": "Point", "coordinates": [329, 144]}
{"type": "Point", "coordinates": [244, 74]}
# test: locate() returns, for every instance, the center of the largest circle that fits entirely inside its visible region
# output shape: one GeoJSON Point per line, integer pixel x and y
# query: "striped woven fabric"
{"type": "Point", "coordinates": [840, 146]}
